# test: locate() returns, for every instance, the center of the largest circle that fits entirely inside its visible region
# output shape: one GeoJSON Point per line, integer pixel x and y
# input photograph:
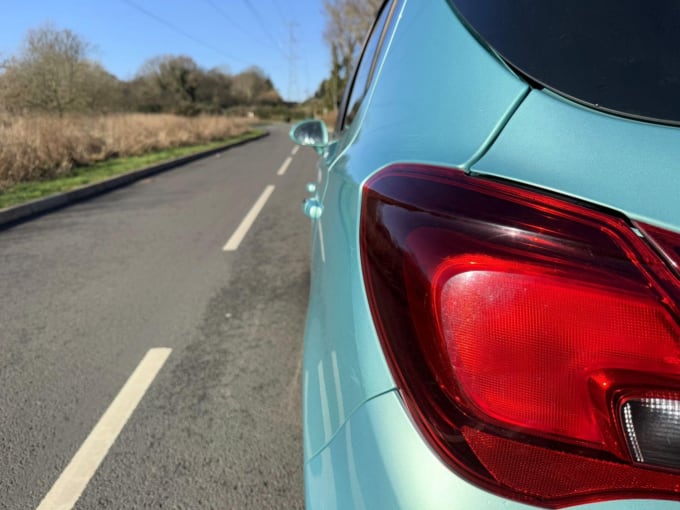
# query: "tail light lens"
{"type": "Point", "coordinates": [532, 337]}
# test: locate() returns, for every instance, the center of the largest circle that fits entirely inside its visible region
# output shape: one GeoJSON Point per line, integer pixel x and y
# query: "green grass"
{"type": "Point", "coordinates": [80, 176]}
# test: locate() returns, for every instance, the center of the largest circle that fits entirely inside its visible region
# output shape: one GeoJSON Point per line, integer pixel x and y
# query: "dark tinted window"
{"type": "Point", "coordinates": [618, 55]}
{"type": "Point", "coordinates": [364, 68]}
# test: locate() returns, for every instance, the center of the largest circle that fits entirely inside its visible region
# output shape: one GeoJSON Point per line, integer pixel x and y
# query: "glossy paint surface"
{"type": "Point", "coordinates": [439, 97]}
{"type": "Point", "coordinates": [344, 365]}
{"type": "Point", "coordinates": [378, 460]}
{"type": "Point", "coordinates": [627, 165]}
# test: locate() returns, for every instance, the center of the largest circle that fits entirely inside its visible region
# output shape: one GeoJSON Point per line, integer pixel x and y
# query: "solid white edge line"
{"type": "Point", "coordinates": [294, 151]}
{"type": "Point", "coordinates": [72, 482]}
{"type": "Point", "coordinates": [235, 240]}
{"type": "Point", "coordinates": [285, 166]}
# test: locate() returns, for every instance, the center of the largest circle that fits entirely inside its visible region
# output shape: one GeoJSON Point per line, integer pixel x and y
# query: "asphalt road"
{"type": "Point", "coordinates": [89, 290]}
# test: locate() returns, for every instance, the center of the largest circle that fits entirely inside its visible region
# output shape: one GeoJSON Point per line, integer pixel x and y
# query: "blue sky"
{"type": "Point", "coordinates": [232, 33]}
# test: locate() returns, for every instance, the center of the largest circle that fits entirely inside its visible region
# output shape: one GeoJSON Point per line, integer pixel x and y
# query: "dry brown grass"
{"type": "Point", "coordinates": [41, 147]}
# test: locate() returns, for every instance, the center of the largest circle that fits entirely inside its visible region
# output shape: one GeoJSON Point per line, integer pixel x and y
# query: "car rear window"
{"type": "Point", "coordinates": [622, 56]}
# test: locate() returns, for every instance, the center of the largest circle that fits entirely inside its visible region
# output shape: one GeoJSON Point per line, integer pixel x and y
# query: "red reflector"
{"type": "Point", "coordinates": [515, 323]}
{"type": "Point", "coordinates": [528, 468]}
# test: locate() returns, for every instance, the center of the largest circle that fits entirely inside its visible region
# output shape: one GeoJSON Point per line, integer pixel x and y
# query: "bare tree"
{"type": "Point", "coordinates": [215, 91]}
{"type": "Point", "coordinates": [51, 73]}
{"type": "Point", "coordinates": [177, 84]}
{"type": "Point", "coordinates": [102, 91]}
{"type": "Point", "coordinates": [251, 85]}
{"type": "Point", "coordinates": [170, 83]}
{"type": "Point", "coordinates": [347, 23]}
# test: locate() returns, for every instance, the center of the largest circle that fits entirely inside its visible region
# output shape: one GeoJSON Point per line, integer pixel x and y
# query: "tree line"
{"type": "Point", "coordinates": [55, 73]}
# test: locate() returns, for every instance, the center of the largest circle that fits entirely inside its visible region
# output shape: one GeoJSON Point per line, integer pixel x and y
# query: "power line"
{"type": "Point", "coordinates": [278, 10]}
{"type": "Point", "coordinates": [182, 31]}
{"type": "Point", "coordinates": [226, 16]}
{"type": "Point", "coordinates": [259, 20]}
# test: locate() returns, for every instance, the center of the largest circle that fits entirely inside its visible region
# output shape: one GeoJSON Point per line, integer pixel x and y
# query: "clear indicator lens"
{"type": "Point", "coordinates": [652, 428]}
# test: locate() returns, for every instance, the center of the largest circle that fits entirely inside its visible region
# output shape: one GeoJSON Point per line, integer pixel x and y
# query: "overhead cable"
{"type": "Point", "coordinates": [183, 32]}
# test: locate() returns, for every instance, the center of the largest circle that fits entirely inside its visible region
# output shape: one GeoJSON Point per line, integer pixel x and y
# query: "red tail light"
{"type": "Point", "coordinates": [533, 338]}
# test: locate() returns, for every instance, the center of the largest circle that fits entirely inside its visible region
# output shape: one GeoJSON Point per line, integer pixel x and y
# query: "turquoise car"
{"type": "Point", "coordinates": [494, 313]}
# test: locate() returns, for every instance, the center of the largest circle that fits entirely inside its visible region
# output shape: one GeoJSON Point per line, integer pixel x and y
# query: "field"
{"type": "Point", "coordinates": [41, 147]}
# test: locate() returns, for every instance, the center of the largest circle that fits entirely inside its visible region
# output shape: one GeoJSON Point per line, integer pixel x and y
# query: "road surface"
{"type": "Point", "coordinates": [138, 281]}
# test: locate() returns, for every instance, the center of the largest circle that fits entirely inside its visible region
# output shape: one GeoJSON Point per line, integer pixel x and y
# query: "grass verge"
{"type": "Point", "coordinates": [81, 176]}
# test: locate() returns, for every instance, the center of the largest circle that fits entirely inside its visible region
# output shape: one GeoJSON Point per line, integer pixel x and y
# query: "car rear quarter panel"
{"type": "Point", "coordinates": [378, 460]}
{"type": "Point", "coordinates": [437, 97]}
{"type": "Point", "coordinates": [627, 165]}
{"type": "Point", "coordinates": [440, 97]}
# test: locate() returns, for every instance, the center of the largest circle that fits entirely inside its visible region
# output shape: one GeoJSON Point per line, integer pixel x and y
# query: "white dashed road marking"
{"type": "Point", "coordinates": [73, 480]}
{"type": "Point", "coordinates": [285, 165]}
{"type": "Point", "coordinates": [247, 222]}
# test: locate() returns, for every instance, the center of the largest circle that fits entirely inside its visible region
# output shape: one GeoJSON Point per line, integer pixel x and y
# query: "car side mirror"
{"type": "Point", "coordinates": [310, 133]}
